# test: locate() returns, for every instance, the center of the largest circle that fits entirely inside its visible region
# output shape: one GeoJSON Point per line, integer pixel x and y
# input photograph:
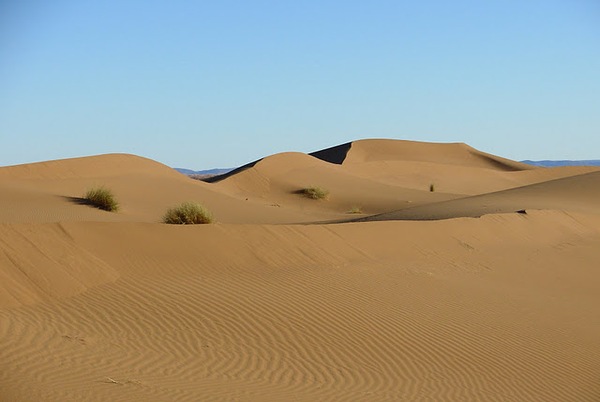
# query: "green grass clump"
{"type": "Point", "coordinates": [355, 210]}
{"type": "Point", "coordinates": [103, 198]}
{"type": "Point", "coordinates": [315, 193]}
{"type": "Point", "coordinates": [188, 213]}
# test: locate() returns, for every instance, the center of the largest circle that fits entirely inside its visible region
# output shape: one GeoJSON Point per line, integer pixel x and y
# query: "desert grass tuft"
{"type": "Point", "coordinates": [355, 210]}
{"type": "Point", "coordinates": [315, 193]}
{"type": "Point", "coordinates": [188, 213]}
{"type": "Point", "coordinates": [101, 197]}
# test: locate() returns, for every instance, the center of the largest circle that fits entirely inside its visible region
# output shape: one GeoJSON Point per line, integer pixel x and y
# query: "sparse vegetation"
{"type": "Point", "coordinates": [188, 213]}
{"type": "Point", "coordinates": [432, 187]}
{"type": "Point", "coordinates": [103, 198]}
{"type": "Point", "coordinates": [315, 193]}
{"type": "Point", "coordinates": [355, 210]}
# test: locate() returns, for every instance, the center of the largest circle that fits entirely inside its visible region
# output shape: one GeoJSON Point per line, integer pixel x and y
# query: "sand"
{"type": "Point", "coordinates": [487, 288]}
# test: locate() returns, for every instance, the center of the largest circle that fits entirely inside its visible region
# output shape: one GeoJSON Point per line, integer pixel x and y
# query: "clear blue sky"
{"type": "Point", "coordinates": [203, 84]}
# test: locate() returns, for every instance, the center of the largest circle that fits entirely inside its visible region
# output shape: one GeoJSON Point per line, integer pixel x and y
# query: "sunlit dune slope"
{"type": "Point", "coordinates": [383, 175]}
{"type": "Point", "coordinates": [43, 263]}
{"type": "Point", "coordinates": [370, 176]}
{"type": "Point", "coordinates": [460, 154]}
{"type": "Point", "coordinates": [500, 308]}
{"type": "Point", "coordinates": [267, 305]}
{"type": "Point", "coordinates": [579, 193]}
{"type": "Point", "coordinates": [145, 189]}
{"type": "Point", "coordinates": [278, 178]}
{"type": "Point", "coordinates": [454, 168]}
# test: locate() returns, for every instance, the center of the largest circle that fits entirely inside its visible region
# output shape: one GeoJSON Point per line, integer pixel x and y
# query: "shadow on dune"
{"type": "Point", "coordinates": [217, 178]}
{"type": "Point", "coordinates": [78, 201]}
{"type": "Point", "coordinates": [335, 154]}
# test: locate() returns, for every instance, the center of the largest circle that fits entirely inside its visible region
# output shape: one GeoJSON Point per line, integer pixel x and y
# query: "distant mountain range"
{"type": "Point", "coordinates": [546, 163]}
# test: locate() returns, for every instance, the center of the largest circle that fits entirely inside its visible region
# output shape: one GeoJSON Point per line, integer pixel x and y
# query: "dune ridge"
{"type": "Point", "coordinates": [417, 301]}
{"type": "Point", "coordinates": [90, 166]}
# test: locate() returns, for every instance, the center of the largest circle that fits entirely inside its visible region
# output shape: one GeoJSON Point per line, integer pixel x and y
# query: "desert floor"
{"type": "Point", "coordinates": [487, 288]}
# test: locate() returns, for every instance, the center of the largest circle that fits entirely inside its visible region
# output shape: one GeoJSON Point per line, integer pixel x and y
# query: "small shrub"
{"type": "Point", "coordinates": [355, 210]}
{"type": "Point", "coordinates": [315, 193]}
{"type": "Point", "coordinates": [188, 213]}
{"type": "Point", "coordinates": [103, 198]}
{"type": "Point", "coordinates": [432, 187]}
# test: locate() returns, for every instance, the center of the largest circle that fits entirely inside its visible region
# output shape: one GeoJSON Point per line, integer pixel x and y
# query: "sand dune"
{"type": "Point", "coordinates": [393, 150]}
{"type": "Point", "coordinates": [456, 179]}
{"type": "Point", "coordinates": [356, 171]}
{"type": "Point", "coordinates": [48, 192]}
{"type": "Point", "coordinates": [277, 179]}
{"type": "Point", "coordinates": [406, 305]}
{"type": "Point", "coordinates": [579, 193]}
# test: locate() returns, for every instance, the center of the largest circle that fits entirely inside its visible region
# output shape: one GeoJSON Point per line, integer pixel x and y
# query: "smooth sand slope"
{"type": "Point", "coordinates": [99, 306]}
{"type": "Point", "coordinates": [579, 193]}
{"type": "Point", "coordinates": [49, 191]}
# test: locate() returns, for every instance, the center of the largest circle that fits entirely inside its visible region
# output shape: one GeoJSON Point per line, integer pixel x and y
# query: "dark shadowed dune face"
{"type": "Point", "coordinates": [219, 177]}
{"type": "Point", "coordinates": [335, 154]}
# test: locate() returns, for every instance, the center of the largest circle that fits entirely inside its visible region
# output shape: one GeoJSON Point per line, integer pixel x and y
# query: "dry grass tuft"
{"type": "Point", "coordinates": [188, 213]}
{"type": "Point", "coordinates": [315, 193]}
{"type": "Point", "coordinates": [101, 197]}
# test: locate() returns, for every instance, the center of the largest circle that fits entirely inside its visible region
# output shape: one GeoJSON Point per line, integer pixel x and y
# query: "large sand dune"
{"type": "Point", "coordinates": [406, 305]}
{"type": "Point", "coordinates": [576, 193]}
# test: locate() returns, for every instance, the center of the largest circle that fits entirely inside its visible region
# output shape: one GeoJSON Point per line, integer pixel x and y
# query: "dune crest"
{"type": "Point", "coordinates": [105, 165]}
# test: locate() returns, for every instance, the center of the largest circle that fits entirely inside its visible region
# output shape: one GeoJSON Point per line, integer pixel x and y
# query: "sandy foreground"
{"type": "Point", "coordinates": [487, 288]}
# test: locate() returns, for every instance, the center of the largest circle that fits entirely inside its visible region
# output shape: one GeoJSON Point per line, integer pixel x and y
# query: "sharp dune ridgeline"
{"type": "Point", "coordinates": [425, 272]}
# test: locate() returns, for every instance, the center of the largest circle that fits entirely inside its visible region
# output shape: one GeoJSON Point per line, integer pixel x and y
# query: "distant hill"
{"type": "Point", "coordinates": [547, 163]}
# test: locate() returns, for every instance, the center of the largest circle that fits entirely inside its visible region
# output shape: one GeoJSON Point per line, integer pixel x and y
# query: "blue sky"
{"type": "Point", "coordinates": [202, 84]}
